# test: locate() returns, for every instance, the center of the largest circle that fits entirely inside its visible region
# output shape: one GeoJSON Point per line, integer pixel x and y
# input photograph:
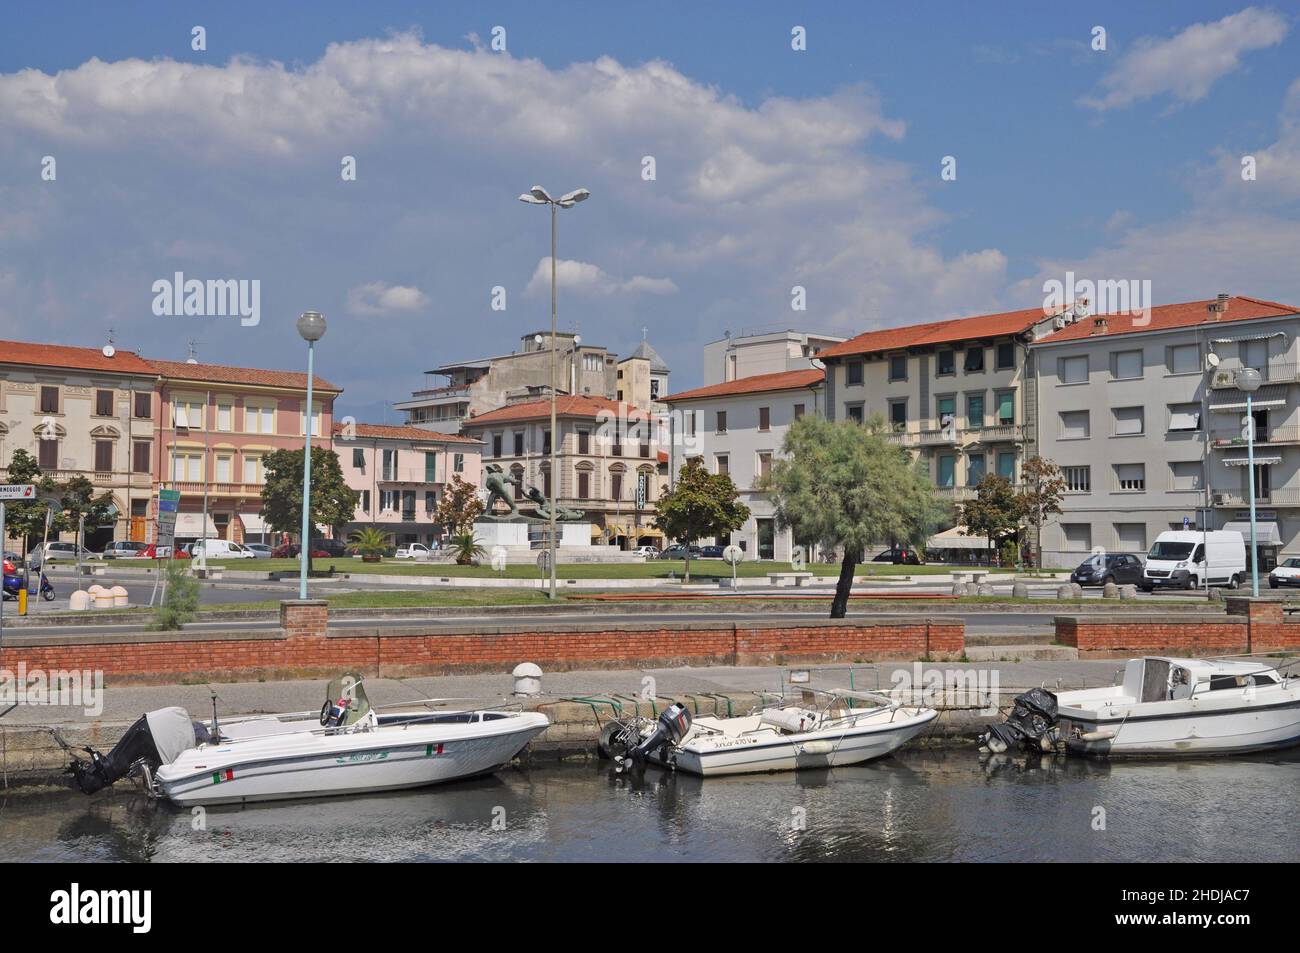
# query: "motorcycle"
{"type": "Point", "coordinates": [13, 582]}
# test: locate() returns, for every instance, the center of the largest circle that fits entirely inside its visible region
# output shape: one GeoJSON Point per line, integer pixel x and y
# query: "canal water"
{"type": "Point", "coordinates": [917, 806]}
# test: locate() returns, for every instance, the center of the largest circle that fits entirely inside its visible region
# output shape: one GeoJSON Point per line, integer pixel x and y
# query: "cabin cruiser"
{"type": "Point", "coordinates": [1163, 706]}
{"type": "Point", "coordinates": [349, 748]}
{"type": "Point", "coordinates": [821, 729]}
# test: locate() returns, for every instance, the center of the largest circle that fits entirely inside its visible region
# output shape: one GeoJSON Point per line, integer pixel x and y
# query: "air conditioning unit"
{"type": "Point", "coordinates": [1223, 379]}
{"type": "Point", "coordinates": [1220, 499]}
{"type": "Point", "coordinates": [1059, 322]}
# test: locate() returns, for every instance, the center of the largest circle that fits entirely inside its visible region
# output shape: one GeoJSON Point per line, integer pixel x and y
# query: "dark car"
{"type": "Point", "coordinates": [899, 556]}
{"type": "Point", "coordinates": [678, 551]}
{"type": "Point", "coordinates": [710, 552]}
{"type": "Point", "coordinates": [328, 547]}
{"type": "Point", "coordinates": [1119, 568]}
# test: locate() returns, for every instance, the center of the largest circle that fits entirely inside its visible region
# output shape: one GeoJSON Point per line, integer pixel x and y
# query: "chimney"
{"type": "Point", "coordinates": [1217, 308]}
{"type": "Point", "coordinates": [1099, 324]}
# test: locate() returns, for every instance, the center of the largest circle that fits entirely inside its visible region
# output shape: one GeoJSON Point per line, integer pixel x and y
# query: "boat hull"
{"type": "Point", "coordinates": [755, 755]}
{"type": "Point", "coordinates": [1198, 731]}
{"type": "Point", "coordinates": [386, 759]}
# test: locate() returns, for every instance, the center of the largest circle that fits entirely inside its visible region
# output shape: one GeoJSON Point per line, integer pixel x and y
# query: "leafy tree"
{"type": "Point", "coordinates": [24, 519]}
{"type": "Point", "coordinates": [333, 502]}
{"type": "Point", "coordinates": [701, 504]}
{"type": "Point", "coordinates": [459, 507]}
{"type": "Point", "coordinates": [77, 497]}
{"type": "Point", "coordinates": [845, 486]}
{"type": "Point", "coordinates": [180, 600]}
{"type": "Point", "coordinates": [1042, 489]}
{"type": "Point", "coordinates": [995, 512]}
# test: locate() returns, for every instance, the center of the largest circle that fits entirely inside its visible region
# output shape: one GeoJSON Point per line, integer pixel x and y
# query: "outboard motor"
{"type": "Point", "coordinates": [139, 745]}
{"type": "Point", "coordinates": [1031, 724]}
{"type": "Point", "coordinates": [673, 726]}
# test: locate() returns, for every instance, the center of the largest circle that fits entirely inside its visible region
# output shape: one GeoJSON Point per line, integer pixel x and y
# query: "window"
{"type": "Point", "coordinates": [1077, 479]}
{"type": "Point", "coordinates": [1007, 466]}
{"type": "Point", "coordinates": [1131, 476]}
{"type": "Point", "coordinates": [720, 421]}
{"type": "Point", "coordinates": [187, 466]}
{"type": "Point", "coordinates": [1075, 424]}
{"type": "Point", "coordinates": [1078, 537]}
{"type": "Point", "coordinates": [430, 466]}
{"type": "Point", "coordinates": [388, 500]}
{"type": "Point", "coordinates": [764, 418]}
{"type": "Point", "coordinates": [496, 445]}
{"type": "Point", "coordinates": [103, 456]}
{"type": "Point", "coordinates": [365, 501]}
{"type": "Point", "coordinates": [103, 403]}
{"type": "Point", "coordinates": [358, 459]}
{"type": "Point", "coordinates": [225, 417]}
{"type": "Point", "coordinates": [430, 501]}
{"type": "Point", "coordinates": [1072, 370]}
{"type": "Point", "coordinates": [546, 441]}
{"type": "Point", "coordinates": [315, 420]}
{"type": "Point", "coordinates": [1184, 418]}
{"type": "Point", "coordinates": [898, 367]}
{"type": "Point", "coordinates": [654, 388]}
{"type": "Point", "coordinates": [947, 470]}
{"type": "Point", "coordinates": [141, 454]}
{"type": "Point", "coordinates": [519, 443]}
{"type": "Point", "coordinates": [898, 415]}
{"type": "Point", "coordinates": [853, 412]}
{"type": "Point", "coordinates": [976, 468]}
{"type": "Point", "coordinates": [975, 411]}
{"type": "Point", "coordinates": [49, 400]}
{"type": "Point", "coordinates": [616, 487]}
{"type": "Point", "coordinates": [592, 362]}
{"type": "Point", "coordinates": [1254, 354]}
{"type": "Point", "coordinates": [1006, 358]}
{"type": "Point", "coordinates": [187, 414]}
{"type": "Point", "coordinates": [1183, 359]}
{"type": "Point", "coordinates": [223, 467]}
{"type": "Point", "coordinates": [853, 373]}
{"type": "Point", "coordinates": [1185, 475]}
{"type": "Point", "coordinates": [253, 472]}
{"type": "Point", "coordinates": [974, 362]}
{"type": "Point", "coordinates": [458, 463]}
{"type": "Point", "coordinates": [721, 463]}
{"type": "Point", "coordinates": [47, 454]}
{"type": "Point", "coordinates": [946, 363]}
{"type": "Point", "coordinates": [798, 415]}
{"type": "Point", "coordinates": [645, 448]}
{"type": "Point", "coordinates": [1006, 407]}
{"type": "Point", "coordinates": [584, 485]}
{"type": "Point", "coordinates": [259, 418]}
{"type": "Point", "coordinates": [389, 469]}
{"type": "Point", "coordinates": [1129, 421]}
{"type": "Point", "coordinates": [142, 407]}
{"type": "Point", "coordinates": [584, 441]}
{"type": "Point", "coordinates": [1126, 365]}
{"type": "Point", "coordinates": [945, 410]}
{"type": "Point", "coordinates": [764, 464]}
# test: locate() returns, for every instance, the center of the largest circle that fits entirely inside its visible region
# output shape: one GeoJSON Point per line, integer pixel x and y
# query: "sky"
{"type": "Point", "coordinates": [1118, 141]}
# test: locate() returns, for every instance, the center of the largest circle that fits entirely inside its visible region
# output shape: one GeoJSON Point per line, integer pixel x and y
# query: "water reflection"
{"type": "Point", "coordinates": [932, 806]}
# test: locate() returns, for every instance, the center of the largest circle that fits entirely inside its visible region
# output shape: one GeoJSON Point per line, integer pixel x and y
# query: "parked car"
{"type": "Point", "coordinates": [125, 549]}
{"type": "Point", "coordinates": [711, 552]}
{"type": "Point", "coordinates": [291, 551]}
{"type": "Point", "coordinates": [1285, 573]}
{"type": "Point", "coordinates": [678, 551]}
{"type": "Point", "coordinates": [899, 556]}
{"type": "Point", "coordinates": [154, 551]}
{"type": "Point", "coordinates": [259, 550]}
{"type": "Point", "coordinates": [219, 549]}
{"type": "Point", "coordinates": [323, 548]}
{"type": "Point", "coordinates": [1184, 559]}
{"type": "Point", "coordinates": [646, 552]}
{"type": "Point", "coordinates": [62, 552]}
{"type": "Point", "coordinates": [1098, 569]}
{"type": "Point", "coordinates": [413, 551]}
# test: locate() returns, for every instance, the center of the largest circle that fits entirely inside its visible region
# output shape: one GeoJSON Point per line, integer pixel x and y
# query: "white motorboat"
{"type": "Point", "coordinates": [1164, 706]}
{"type": "Point", "coordinates": [822, 729]}
{"type": "Point", "coordinates": [349, 748]}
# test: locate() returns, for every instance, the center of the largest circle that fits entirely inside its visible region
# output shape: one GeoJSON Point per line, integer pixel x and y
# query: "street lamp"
{"type": "Point", "coordinates": [311, 328]}
{"type": "Point", "coordinates": [1248, 380]}
{"type": "Point", "coordinates": [539, 196]}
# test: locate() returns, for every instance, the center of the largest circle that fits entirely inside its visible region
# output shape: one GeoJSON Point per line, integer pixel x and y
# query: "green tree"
{"type": "Point", "coordinates": [701, 504]}
{"type": "Point", "coordinates": [459, 507]}
{"type": "Point", "coordinates": [847, 487]}
{"type": "Point", "coordinates": [78, 499]}
{"type": "Point", "coordinates": [333, 502]}
{"type": "Point", "coordinates": [1042, 490]}
{"type": "Point", "coordinates": [25, 519]}
{"type": "Point", "coordinates": [180, 600]}
{"type": "Point", "coordinates": [466, 547]}
{"type": "Point", "coordinates": [995, 512]}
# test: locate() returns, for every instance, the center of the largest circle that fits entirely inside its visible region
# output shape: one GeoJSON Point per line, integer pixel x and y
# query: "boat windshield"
{"type": "Point", "coordinates": [1171, 550]}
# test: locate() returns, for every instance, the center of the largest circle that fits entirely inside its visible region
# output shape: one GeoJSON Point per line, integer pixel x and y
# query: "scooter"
{"type": "Point", "coordinates": [14, 582]}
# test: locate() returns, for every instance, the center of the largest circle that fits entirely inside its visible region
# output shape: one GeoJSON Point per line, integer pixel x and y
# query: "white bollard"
{"type": "Point", "coordinates": [528, 679]}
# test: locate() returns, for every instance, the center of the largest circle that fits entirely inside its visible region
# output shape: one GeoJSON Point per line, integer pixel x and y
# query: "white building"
{"type": "Point", "coordinates": [752, 353]}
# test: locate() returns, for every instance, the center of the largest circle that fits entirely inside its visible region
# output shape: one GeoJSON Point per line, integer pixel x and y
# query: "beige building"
{"type": "Point", "coordinates": [753, 352]}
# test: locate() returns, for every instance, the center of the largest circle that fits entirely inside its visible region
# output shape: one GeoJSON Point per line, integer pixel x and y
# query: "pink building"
{"type": "Point", "coordinates": [401, 473]}
{"type": "Point", "coordinates": [216, 424]}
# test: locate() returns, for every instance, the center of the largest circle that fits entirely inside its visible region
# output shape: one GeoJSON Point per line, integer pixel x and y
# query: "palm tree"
{"type": "Point", "coordinates": [371, 543]}
{"type": "Point", "coordinates": [466, 548]}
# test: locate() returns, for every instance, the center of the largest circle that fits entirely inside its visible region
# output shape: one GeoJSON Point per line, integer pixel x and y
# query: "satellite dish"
{"type": "Point", "coordinates": [1211, 360]}
{"type": "Point", "coordinates": [109, 350]}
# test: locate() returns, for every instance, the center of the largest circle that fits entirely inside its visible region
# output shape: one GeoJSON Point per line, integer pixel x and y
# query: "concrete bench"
{"type": "Point", "coordinates": [795, 579]}
{"type": "Point", "coordinates": [93, 569]}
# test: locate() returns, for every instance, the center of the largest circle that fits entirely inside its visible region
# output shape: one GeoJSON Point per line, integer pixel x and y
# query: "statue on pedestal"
{"type": "Point", "coordinates": [496, 480]}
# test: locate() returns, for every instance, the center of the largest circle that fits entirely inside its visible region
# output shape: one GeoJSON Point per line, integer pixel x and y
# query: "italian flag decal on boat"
{"type": "Point", "coordinates": [219, 776]}
{"type": "Point", "coordinates": [431, 749]}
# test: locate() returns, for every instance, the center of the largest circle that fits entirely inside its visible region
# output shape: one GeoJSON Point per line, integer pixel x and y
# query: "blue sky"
{"type": "Point", "coordinates": [774, 168]}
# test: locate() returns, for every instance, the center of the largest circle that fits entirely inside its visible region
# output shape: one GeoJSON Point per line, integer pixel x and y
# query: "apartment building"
{"type": "Point", "coordinates": [400, 474]}
{"type": "Point", "coordinates": [952, 391]}
{"type": "Point", "coordinates": [1146, 422]}
{"type": "Point", "coordinates": [83, 412]}
{"type": "Point", "coordinates": [216, 424]}
{"type": "Point", "coordinates": [754, 352]}
{"type": "Point", "coordinates": [608, 455]}
{"type": "Point", "coordinates": [737, 427]}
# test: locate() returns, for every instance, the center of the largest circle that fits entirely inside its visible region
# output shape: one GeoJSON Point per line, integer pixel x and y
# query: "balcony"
{"type": "Point", "coordinates": [405, 475]}
{"type": "Point", "coordinates": [1272, 436]}
{"type": "Point", "coordinates": [1275, 372]}
{"type": "Point", "coordinates": [190, 488]}
{"type": "Point", "coordinates": [1000, 433]}
{"type": "Point", "coordinates": [137, 480]}
{"type": "Point", "coordinates": [901, 438]}
{"type": "Point", "coordinates": [1280, 496]}
{"type": "Point", "coordinates": [955, 493]}
{"type": "Point", "coordinates": [930, 438]}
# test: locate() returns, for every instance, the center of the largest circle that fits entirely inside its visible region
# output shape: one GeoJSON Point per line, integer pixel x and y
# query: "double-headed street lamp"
{"type": "Point", "coordinates": [311, 327]}
{"type": "Point", "coordinates": [539, 196]}
{"type": "Point", "coordinates": [1248, 379]}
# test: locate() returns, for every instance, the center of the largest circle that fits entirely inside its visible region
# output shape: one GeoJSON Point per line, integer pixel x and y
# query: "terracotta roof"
{"type": "Point", "coordinates": [221, 374]}
{"type": "Point", "coordinates": [541, 409]}
{"type": "Point", "coordinates": [400, 432]}
{"type": "Point", "coordinates": [937, 332]}
{"type": "Point", "coordinates": [1166, 316]}
{"type": "Point", "coordinates": [80, 358]}
{"type": "Point", "coordinates": [757, 384]}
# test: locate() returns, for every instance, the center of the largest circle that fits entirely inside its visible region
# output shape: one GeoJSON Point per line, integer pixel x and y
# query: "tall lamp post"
{"type": "Point", "coordinates": [1248, 380]}
{"type": "Point", "coordinates": [311, 328]}
{"type": "Point", "coordinates": [539, 196]}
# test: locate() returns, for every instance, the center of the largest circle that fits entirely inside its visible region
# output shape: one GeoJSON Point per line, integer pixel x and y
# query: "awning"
{"type": "Point", "coordinates": [254, 523]}
{"type": "Point", "coordinates": [1266, 534]}
{"type": "Point", "coordinates": [1274, 395]}
{"type": "Point", "coordinates": [954, 539]}
{"type": "Point", "coordinates": [1243, 461]}
{"type": "Point", "coordinates": [191, 524]}
{"type": "Point", "coordinates": [1264, 336]}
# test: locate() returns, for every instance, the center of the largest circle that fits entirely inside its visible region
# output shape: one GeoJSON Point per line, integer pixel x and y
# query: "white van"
{"type": "Point", "coordinates": [1183, 559]}
{"type": "Point", "coordinates": [220, 549]}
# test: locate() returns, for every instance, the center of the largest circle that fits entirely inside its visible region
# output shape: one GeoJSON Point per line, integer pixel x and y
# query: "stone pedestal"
{"type": "Point", "coordinates": [574, 534]}
{"type": "Point", "coordinates": [491, 534]}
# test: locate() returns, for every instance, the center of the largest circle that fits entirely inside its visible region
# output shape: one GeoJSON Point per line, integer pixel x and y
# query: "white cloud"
{"type": "Point", "coordinates": [581, 277]}
{"type": "Point", "coordinates": [1186, 65]}
{"type": "Point", "coordinates": [379, 298]}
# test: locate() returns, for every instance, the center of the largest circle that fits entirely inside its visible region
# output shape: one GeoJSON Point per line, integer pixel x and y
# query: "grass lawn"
{"type": "Point", "coordinates": [701, 569]}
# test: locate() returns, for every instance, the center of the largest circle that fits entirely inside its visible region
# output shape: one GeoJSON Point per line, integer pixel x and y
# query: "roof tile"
{"type": "Point", "coordinates": [756, 384]}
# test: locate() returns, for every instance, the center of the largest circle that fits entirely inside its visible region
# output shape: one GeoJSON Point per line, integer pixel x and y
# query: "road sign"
{"type": "Point", "coordinates": [17, 491]}
{"type": "Point", "coordinates": [1187, 521]}
{"type": "Point", "coordinates": [169, 501]}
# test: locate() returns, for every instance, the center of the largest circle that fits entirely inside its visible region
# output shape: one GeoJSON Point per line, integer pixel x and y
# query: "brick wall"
{"type": "Point", "coordinates": [302, 647]}
{"type": "Point", "coordinates": [1248, 625]}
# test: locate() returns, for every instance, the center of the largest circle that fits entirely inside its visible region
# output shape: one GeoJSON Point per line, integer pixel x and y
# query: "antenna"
{"type": "Point", "coordinates": [193, 348]}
